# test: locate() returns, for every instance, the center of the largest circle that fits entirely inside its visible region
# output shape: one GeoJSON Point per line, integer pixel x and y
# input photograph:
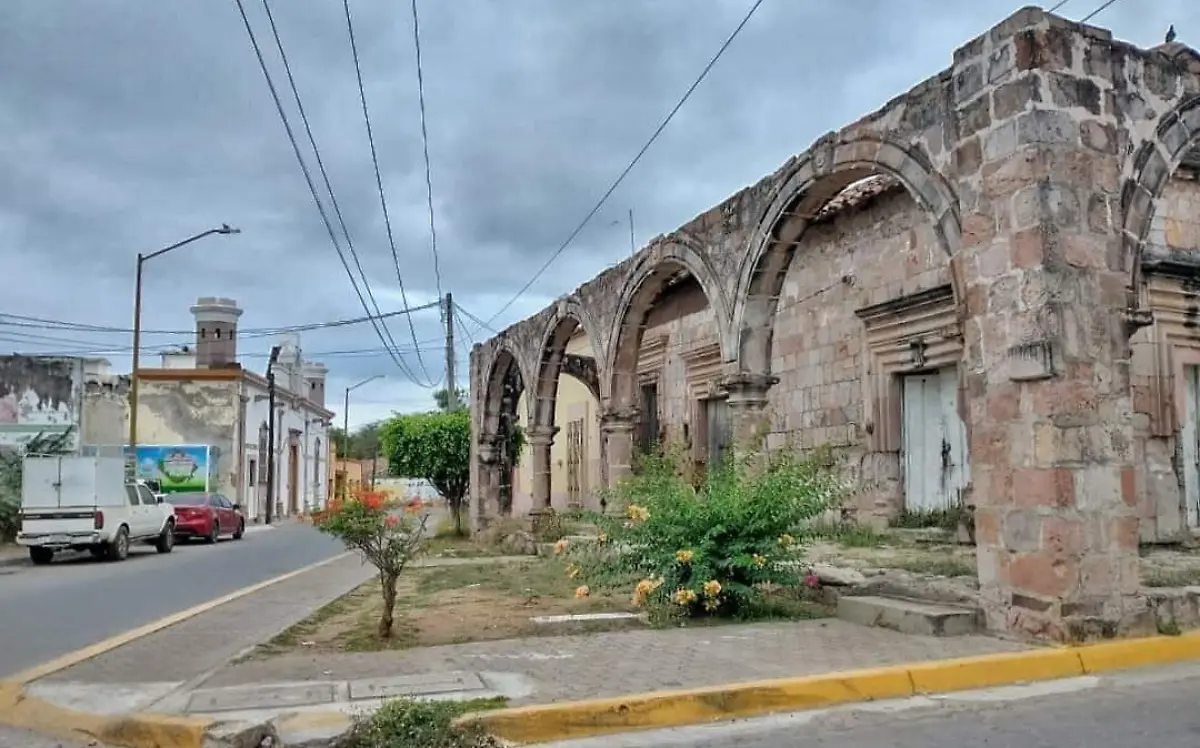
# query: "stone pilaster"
{"type": "Point", "coordinates": [747, 402]}
{"type": "Point", "coordinates": [1046, 357]}
{"type": "Point", "coordinates": [617, 429]}
{"type": "Point", "coordinates": [540, 439]}
{"type": "Point", "coordinates": [487, 485]}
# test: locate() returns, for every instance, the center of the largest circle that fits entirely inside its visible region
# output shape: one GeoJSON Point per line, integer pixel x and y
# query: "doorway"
{"type": "Point", "coordinates": [293, 478]}
{"type": "Point", "coordinates": [933, 442]}
{"type": "Point", "coordinates": [1189, 448]}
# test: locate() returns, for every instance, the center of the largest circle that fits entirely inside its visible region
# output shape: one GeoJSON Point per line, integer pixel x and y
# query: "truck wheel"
{"type": "Point", "coordinates": [118, 549]}
{"type": "Point", "coordinates": [166, 539]}
{"type": "Point", "coordinates": [41, 556]}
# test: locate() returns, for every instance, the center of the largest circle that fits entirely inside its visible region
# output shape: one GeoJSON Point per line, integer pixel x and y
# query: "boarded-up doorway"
{"type": "Point", "coordinates": [293, 478]}
{"type": "Point", "coordinates": [934, 441]}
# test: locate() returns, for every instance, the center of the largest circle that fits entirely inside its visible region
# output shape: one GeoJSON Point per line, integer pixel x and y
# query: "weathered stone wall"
{"type": "Point", "coordinates": [193, 412]}
{"type": "Point", "coordinates": [1036, 163]}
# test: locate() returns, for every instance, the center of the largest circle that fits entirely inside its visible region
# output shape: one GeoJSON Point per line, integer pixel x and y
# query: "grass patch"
{"type": "Point", "coordinates": [939, 567]}
{"type": "Point", "coordinates": [945, 519]}
{"type": "Point", "coordinates": [413, 723]}
{"type": "Point", "coordinates": [850, 535]}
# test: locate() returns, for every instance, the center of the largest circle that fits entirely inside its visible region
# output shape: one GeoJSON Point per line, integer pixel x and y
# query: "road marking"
{"type": "Point", "coordinates": [70, 659]}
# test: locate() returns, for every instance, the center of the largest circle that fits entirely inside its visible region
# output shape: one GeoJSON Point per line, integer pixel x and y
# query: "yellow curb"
{"type": "Point", "coordinates": [95, 650]}
{"type": "Point", "coordinates": [18, 709]}
{"type": "Point", "coordinates": [563, 721]}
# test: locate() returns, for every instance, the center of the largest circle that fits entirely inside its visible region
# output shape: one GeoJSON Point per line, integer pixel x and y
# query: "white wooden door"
{"type": "Point", "coordinates": [1191, 452]}
{"type": "Point", "coordinates": [934, 441]}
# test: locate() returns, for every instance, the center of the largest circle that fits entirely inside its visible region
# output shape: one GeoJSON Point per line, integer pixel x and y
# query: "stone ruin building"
{"type": "Point", "coordinates": [986, 292]}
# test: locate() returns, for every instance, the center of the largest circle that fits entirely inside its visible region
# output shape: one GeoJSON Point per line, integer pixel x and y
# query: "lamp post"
{"type": "Point", "coordinates": [271, 432]}
{"type": "Point", "coordinates": [137, 330]}
{"type": "Point", "coordinates": [346, 424]}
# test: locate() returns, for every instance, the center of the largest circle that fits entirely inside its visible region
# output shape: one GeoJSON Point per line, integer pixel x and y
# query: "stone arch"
{"type": "Point", "coordinates": [569, 316]}
{"type": "Point", "coordinates": [1177, 133]}
{"type": "Point", "coordinates": [810, 182]}
{"type": "Point", "coordinates": [650, 272]}
{"type": "Point", "coordinates": [505, 370]}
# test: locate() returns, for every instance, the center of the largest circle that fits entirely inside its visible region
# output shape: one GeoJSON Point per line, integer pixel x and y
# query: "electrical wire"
{"type": "Point", "coordinates": [437, 274]}
{"type": "Point", "coordinates": [387, 219]}
{"type": "Point", "coordinates": [287, 67]}
{"type": "Point", "coordinates": [1057, 5]}
{"type": "Point", "coordinates": [312, 188]}
{"type": "Point", "coordinates": [43, 323]}
{"type": "Point", "coordinates": [636, 159]}
{"type": "Point", "coordinates": [482, 325]}
{"type": "Point", "coordinates": [1093, 14]}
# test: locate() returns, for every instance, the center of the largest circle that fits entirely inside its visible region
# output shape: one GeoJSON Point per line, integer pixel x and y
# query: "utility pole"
{"type": "Point", "coordinates": [632, 244]}
{"type": "Point", "coordinates": [271, 433]}
{"type": "Point", "coordinates": [346, 434]}
{"type": "Point", "coordinates": [451, 380]}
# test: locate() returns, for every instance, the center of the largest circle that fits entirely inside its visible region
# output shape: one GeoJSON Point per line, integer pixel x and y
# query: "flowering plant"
{"type": "Point", "coordinates": [706, 551]}
{"type": "Point", "coordinates": [384, 535]}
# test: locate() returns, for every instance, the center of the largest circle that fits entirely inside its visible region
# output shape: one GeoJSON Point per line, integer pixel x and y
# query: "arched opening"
{"type": "Point", "coordinates": [1162, 239]}
{"type": "Point", "coordinates": [848, 305]}
{"type": "Point", "coordinates": [505, 385]}
{"type": "Point", "coordinates": [666, 363]}
{"type": "Point", "coordinates": [566, 414]}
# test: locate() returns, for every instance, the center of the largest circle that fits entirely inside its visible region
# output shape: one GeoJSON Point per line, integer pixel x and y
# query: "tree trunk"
{"type": "Point", "coordinates": [387, 617]}
{"type": "Point", "coordinates": [456, 511]}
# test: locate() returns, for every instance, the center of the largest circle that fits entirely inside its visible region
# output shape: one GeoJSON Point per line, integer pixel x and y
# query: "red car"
{"type": "Point", "coordinates": [207, 516]}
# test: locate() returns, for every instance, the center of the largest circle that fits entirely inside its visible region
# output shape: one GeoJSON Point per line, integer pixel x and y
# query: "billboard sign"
{"type": "Point", "coordinates": [178, 468]}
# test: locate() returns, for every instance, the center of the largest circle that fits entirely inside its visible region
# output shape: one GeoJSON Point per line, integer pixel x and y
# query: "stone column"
{"type": "Point", "coordinates": [487, 489]}
{"type": "Point", "coordinates": [747, 402]}
{"type": "Point", "coordinates": [617, 428]}
{"type": "Point", "coordinates": [1046, 387]}
{"type": "Point", "coordinates": [540, 439]}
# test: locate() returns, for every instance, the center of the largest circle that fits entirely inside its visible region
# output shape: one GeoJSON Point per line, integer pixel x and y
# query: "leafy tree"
{"type": "Point", "coordinates": [361, 444]}
{"type": "Point", "coordinates": [442, 397]}
{"type": "Point", "coordinates": [436, 447]}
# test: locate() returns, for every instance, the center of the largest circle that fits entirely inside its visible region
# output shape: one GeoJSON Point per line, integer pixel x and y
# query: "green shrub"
{"type": "Point", "coordinates": [706, 551]}
{"type": "Point", "coordinates": [410, 723]}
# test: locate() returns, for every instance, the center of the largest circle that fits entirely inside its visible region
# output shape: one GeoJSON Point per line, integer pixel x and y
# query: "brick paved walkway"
{"type": "Point", "coordinates": [609, 664]}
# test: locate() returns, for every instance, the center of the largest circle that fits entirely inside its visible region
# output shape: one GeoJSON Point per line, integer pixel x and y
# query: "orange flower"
{"type": "Point", "coordinates": [413, 506]}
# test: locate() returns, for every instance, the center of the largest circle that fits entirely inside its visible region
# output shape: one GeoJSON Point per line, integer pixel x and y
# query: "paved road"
{"type": "Point", "coordinates": [1152, 708]}
{"type": "Point", "coordinates": [49, 611]}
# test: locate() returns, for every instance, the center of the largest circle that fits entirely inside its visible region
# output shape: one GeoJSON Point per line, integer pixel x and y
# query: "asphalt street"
{"type": "Point", "coordinates": [1151, 708]}
{"type": "Point", "coordinates": [51, 610]}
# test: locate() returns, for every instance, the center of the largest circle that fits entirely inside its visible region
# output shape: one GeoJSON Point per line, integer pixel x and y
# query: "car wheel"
{"type": "Point", "coordinates": [118, 549]}
{"type": "Point", "coordinates": [41, 556]}
{"type": "Point", "coordinates": [215, 534]}
{"type": "Point", "coordinates": [241, 531]}
{"type": "Point", "coordinates": [166, 539]}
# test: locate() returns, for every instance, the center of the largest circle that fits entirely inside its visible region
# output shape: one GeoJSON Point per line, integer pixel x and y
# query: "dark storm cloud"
{"type": "Point", "coordinates": [127, 125]}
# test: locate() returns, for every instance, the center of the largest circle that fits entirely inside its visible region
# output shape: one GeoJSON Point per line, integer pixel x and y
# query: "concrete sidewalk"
{"type": "Point", "coordinates": [181, 670]}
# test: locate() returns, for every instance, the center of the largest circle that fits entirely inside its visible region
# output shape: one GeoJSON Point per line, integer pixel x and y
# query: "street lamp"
{"type": "Point", "coordinates": [137, 328]}
{"type": "Point", "coordinates": [346, 417]}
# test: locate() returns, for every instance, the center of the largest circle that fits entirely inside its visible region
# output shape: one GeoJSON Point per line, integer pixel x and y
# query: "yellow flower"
{"type": "Point", "coordinates": [560, 546]}
{"type": "Point", "coordinates": [786, 540]}
{"type": "Point", "coordinates": [572, 571]}
{"type": "Point", "coordinates": [602, 538]}
{"type": "Point", "coordinates": [684, 556]}
{"type": "Point", "coordinates": [712, 588]}
{"type": "Point", "coordinates": [683, 596]}
{"type": "Point", "coordinates": [582, 592]}
{"type": "Point", "coordinates": [644, 588]}
{"type": "Point", "coordinates": [711, 605]}
{"type": "Point", "coordinates": [639, 513]}
{"type": "Point", "coordinates": [759, 560]}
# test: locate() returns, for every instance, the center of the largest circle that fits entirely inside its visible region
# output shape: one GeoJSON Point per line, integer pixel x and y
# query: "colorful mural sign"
{"type": "Point", "coordinates": [179, 468]}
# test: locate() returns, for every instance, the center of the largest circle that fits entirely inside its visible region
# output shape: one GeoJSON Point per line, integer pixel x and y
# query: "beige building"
{"type": "Point", "coordinates": [983, 294]}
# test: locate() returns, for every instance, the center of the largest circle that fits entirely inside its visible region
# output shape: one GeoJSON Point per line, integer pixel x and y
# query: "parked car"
{"type": "Point", "coordinates": [71, 502]}
{"type": "Point", "coordinates": [207, 516]}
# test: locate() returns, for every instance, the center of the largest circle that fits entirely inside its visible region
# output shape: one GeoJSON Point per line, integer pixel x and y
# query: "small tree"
{"type": "Point", "coordinates": [384, 536]}
{"type": "Point", "coordinates": [442, 398]}
{"type": "Point", "coordinates": [435, 447]}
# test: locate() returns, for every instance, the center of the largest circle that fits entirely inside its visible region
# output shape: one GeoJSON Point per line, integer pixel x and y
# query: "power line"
{"type": "Point", "coordinates": [312, 188]}
{"type": "Point", "coordinates": [43, 323]}
{"type": "Point", "coordinates": [482, 325]}
{"type": "Point", "coordinates": [1058, 5]}
{"type": "Point", "coordinates": [437, 275]}
{"type": "Point", "coordinates": [287, 67]}
{"type": "Point", "coordinates": [612, 188]}
{"type": "Point", "coordinates": [96, 348]}
{"type": "Point", "coordinates": [387, 219]}
{"type": "Point", "coordinates": [1091, 15]}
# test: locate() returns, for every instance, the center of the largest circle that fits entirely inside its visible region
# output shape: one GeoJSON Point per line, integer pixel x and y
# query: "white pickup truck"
{"type": "Point", "coordinates": [69, 502]}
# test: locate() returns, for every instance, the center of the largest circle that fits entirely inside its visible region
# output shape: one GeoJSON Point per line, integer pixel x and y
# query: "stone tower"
{"type": "Point", "coordinates": [216, 332]}
{"type": "Point", "coordinates": [314, 379]}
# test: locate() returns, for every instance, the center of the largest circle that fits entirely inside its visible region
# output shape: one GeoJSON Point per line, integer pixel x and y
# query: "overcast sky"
{"type": "Point", "coordinates": [127, 125]}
